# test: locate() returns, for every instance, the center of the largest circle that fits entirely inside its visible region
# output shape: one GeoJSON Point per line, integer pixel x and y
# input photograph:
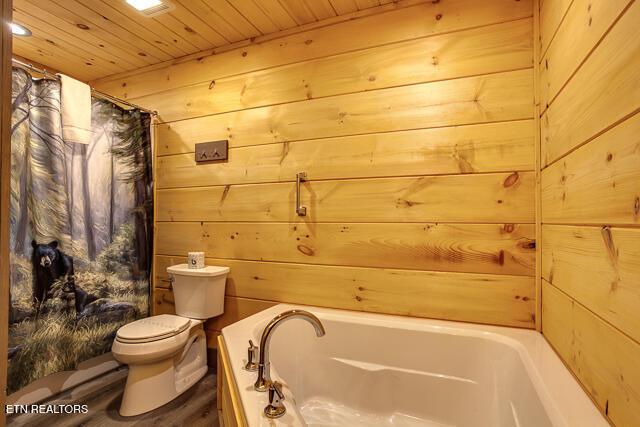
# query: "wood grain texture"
{"type": "Point", "coordinates": [492, 147]}
{"type": "Point", "coordinates": [32, 15]}
{"type": "Point", "coordinates": [604, 91]}
{"type": "Point", "coordinates": [233, 414]}
{"type": "Point", "coordinates": [482, 298]}
{"type": "Point", "coordinates": [132, 40]}
{"type": "Point", "coordinates": [422, 20]}
{"type": "Point", "coordinates": [602, 358]}
{"type": "Point", "coordinates": [421, 191]}
{"type": "Point", "coordinates": [67, 46]}
{"type": "Point", "coordinates": [598, 267]}
{"type": "Point", "coordinates": [481, 248]}
{"type": "Point", "coordinates": [490, 198]}
{"type": "Point", "coordinates": [481, 99]}
{"type": "Point", "coordinates": [591, 201]}
{"type": "Point", "coordinates": [583, 27]}
{"type": "Point", "coordinates": [599, 183]}
{"type": "Point", "coordinates": [477, 51]}
{"type": "Point", "coordinates": [193, 408]}
{"type": "Point", "coordinates": [552, 13]}
{"type": "Point", "coordinates": [5, 180]}
{"type": "Point", "coordinates": [537, 160]}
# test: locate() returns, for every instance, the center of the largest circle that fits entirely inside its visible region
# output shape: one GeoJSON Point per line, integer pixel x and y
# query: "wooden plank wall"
{"type": "Point", "coordinates": [590, 128]}
{"type": "Point", "coordinates": [5, 174]}
{"type": "Point", "coordinates": [415, 127]}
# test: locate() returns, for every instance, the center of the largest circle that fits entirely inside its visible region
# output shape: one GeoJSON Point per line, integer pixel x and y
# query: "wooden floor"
{"type": "Point", "coordinates": [196, 407]}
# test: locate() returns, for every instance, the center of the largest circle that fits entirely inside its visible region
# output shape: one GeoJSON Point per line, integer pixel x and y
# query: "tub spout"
{"type": "Point", "coordinates": [264, 374]}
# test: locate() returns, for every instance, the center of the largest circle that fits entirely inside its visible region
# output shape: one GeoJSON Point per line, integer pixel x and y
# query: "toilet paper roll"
{"type": "Point", "coordinates": [196, 260]}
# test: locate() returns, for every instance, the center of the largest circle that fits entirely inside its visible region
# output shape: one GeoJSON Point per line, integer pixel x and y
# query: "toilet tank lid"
{"type": "Point", "coordinates": [208, 271]}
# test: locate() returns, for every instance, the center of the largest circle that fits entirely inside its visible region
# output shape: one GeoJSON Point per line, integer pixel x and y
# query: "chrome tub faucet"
{"type": "Point", "coordinates": [264, 375]}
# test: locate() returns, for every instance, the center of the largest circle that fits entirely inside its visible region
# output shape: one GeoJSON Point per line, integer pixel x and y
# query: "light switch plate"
{"type": "Point", "coordinates": [212, 151]}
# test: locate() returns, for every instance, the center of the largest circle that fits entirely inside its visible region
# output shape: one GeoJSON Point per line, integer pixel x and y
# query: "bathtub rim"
{"type": "Point", "coordinates": [562, 396]}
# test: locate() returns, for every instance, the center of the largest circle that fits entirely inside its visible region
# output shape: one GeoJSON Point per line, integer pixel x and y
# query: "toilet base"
{"type": "Point", "coordinates": [152, 385]}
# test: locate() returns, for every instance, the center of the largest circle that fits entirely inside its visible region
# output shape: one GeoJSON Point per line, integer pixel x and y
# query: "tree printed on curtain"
{"type": "Point", "coordinates": [81, 231]}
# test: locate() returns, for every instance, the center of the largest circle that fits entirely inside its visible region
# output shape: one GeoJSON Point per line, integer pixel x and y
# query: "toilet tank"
{"type": "Point", "coordinates": [198, 292]}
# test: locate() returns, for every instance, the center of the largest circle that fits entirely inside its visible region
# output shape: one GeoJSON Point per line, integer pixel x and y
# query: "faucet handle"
{"type": "Point", "coordinates": [275, 408]}
{"type": "Point", "coordinates": [252, 357]}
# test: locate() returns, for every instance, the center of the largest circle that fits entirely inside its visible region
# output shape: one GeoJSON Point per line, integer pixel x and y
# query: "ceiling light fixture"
{"type": "Point", "coordinates": [151, 8]}
{"type": "Point", "coordinates": [144, 4]}
{"type": "Point", "coordinates": [20, 30]}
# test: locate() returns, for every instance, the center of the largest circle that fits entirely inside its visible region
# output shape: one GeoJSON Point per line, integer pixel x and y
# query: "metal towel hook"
{"type": "Point", "coordinates": [300, 210]}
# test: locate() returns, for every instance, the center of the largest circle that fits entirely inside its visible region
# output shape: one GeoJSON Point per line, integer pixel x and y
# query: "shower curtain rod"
{"type": "Point", "coordinates": [95, 92]}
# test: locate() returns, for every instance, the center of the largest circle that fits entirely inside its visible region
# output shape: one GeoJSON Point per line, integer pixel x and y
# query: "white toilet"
{"type": "Point", "coordinates": [167, 354]}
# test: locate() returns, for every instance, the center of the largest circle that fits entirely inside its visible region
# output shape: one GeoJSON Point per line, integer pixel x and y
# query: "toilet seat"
{"type": "Point", "coordinates": [152, 329]}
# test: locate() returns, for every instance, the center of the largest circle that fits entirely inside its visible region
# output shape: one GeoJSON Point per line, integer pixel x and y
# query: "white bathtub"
{"type": "Point", "coordinates": [378, 370]}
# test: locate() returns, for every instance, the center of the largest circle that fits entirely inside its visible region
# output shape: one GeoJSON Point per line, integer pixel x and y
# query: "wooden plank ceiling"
{"type": "Point", "coordinates": [90, 39]}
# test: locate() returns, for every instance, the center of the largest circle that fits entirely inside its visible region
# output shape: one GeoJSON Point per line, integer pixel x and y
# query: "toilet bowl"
{"type": "Point", "coordinates": [167, 353]}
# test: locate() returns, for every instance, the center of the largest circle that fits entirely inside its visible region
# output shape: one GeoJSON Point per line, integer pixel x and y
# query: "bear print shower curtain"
{"type": "Point", "coordinates": [81, 231]}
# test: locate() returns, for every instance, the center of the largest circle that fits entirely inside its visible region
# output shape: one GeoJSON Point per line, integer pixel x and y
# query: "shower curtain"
{"type": "Point", "coordinates": [81, 231]}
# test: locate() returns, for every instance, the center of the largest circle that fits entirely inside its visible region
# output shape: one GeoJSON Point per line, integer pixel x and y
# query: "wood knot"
{"type": "Point", "coordinates": [189, 30]}
{"type": "Point", "coordinates": [508, 228]}
{"type": "Point", "coordinates": [372, 78]}
{"type": "Point", "coordinates": [306, 250]}
{"type": "Point", "coordinates": [308, 42]}
{"type": "Point", "coordinates": [511, 180]}
{"type": "Point", "coordinates": [438, 17]}
{"type": "Point", "coordinates": [244, 53]}
{"type": "Point", "coordinates": [406, 203]}
{"type": "Point", "coordinates": [82, 26]}
{"type": "Point", "coordinates": [636, 206]}
{"type": "Point", "coordinates": [530, 244]}
{"type": "Point", "coordinates": [212, 84]}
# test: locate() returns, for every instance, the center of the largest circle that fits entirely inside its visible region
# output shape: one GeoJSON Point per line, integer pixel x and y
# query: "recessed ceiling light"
{"type": "Point", "coordinates": [20, 30]}
{"type": "Point", "coordinates": [144, 4]}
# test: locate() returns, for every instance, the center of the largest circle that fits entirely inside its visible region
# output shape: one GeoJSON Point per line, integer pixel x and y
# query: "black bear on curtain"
{"type": "Point", "coordinates": [48, 264]}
